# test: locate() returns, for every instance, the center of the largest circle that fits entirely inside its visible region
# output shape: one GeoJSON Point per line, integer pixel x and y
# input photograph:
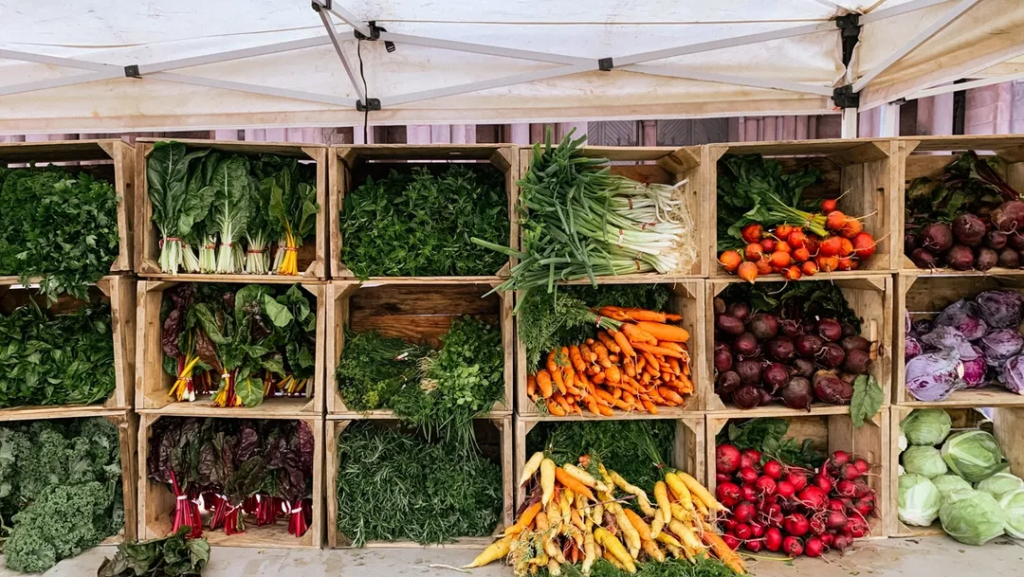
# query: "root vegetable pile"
{"type": "Point", "coordinates": [810, 352]}
{"type": "Point", "coordinates": [967, 218]}
{"type": "Point", "coordinates": [576, 515]}
{"type": "Point", "coordinates": [777, 507]}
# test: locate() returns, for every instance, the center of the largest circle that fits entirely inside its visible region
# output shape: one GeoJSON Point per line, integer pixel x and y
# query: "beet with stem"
{"type": "Point", "coordinates": [764, 326]}
{"type": "Point", "coordinates": [798, 393]}
{"type": "Point", "coordinates": [719, 305]}
{"type": "Point", "coordinates": [831, 355]}
{"type": "Point", "coordinates": [790, 328]}
{"type": "Point", "coordinates": [1009, 216]}
{"type": "Point", "coordinates": [923, 258]}
{"type": "Point", "coordinates": [829, 388]}
{"type": "Point", "coordinates": [747, 397]}
{"type": "Point", "coordinates": [774, 376]}
{"type": "Point", "coordinates": [936, 237]}
{"type": "Point", "coordinates": [781, 349]}
{"type": "Point", "coordinates": [969, 229]}
{"type": "Point", "coordinates": [1009, 258]}
{"type": "Point", "coordinates": [960, 257]}
{"type": "Point", "coordinates": [749, 371]}
{"type": "Point", "coordinates": [745, 345]}
{"type": "Point", "coordinates": [855, 342]}
{"type": "Point", "coordinates": [739, 310]}
{"type": "Point", "coordinates": [727, 382]}
{"type": "Point", "coordinates": [995, 239]}
{"type": "Point", "coordinates": [723, 357]}
{"type": "Point", "coordinates": [729, 324]}
{"type": "Point", "coordinates": [857, 362]}
{"type": "Point", "coordinates": [807, 346]}
{"type": "Point", "coordinates": [830, 330]}
{"type": "Point", "coordinates": [803, 368]}
{"type": "Point", "coordinates": [987, 258]}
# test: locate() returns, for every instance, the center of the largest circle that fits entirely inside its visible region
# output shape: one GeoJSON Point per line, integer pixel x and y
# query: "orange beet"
{"type": "Point", "coordinates": [792, 273]}
{"type": "Point", "coordinates": [797, 238]}
{"type": "Point", "coordinates": [863, 245]}
{"type": "Point", "coordinates": [845, 247]}
{"type": "Point", "coordinates": [753, 252]}
{"type": "Point", "coordinates": [783, 231]}
{"type": "Point", "coordinates": [730, 260]}
{"type": "Point", "coordinates": [851, 228]}
{"type": "Point", "coordinates": [752, 233]}
{"type": "Point", "coordinates": [830, 246]}
{"type": "Point", "coordinates": [809, 268]}
{"type": "Point", "coordinates": [747, 271]}
{"type": "Point", "coordinates": [780, 259]}
{"type": "Point", "coordinates": [764, 266]}
{"type": "Point", "coordinates": [835, 220]}
{"type": "Point", "coordinates": [847, 263]}
{"type": "Point", "coordinates": [801, 254]}
{"type": "Point", "coordinates": [828, 205]}
{"type": "Point", "coordinates": [828, 263]}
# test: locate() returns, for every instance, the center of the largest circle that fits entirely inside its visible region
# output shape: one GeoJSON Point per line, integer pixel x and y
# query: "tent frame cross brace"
{"type": "Point", "coordinates": [845, 97]}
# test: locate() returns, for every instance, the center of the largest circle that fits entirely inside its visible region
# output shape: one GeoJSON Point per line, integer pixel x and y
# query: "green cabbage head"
{"type": "Point", "coordinates": [926, 426]}
{"type": "Point", "coordinates": [924, 461]}
{"type": "Point", "coordinates": [946, 484]}
{"type": "Point", "coordinates": [1013, 509]}
{"type": "Point", "coordinates": [974, 455]}
{"type": "Point", "coordinates": [919, 500]}
{"type": "Point", "coordinates": [1000, 484]}
{"type": "Point", "coordinates": [972, 517]}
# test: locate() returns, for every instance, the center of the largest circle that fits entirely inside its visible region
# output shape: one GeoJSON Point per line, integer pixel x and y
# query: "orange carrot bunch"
{"type": "Point", "coordinates": [834, 241]}
{"type": "Point", "coordinates": [640, 365]}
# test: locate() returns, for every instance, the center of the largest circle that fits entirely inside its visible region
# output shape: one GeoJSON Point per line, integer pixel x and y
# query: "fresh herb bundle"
{"type": "Point", "coordinates": [60, 360]}
{"type": "Point", "coordinates": [59, 226]}
{"type": "Point", "coordinates": [418, 223]}
{"type": "Point", "coordinates": [545, 323]}
{"type": "Point", "coordinates": [60, 486]}
{"type": "Point", "coordinates": [768, 435]}
{"type": "Point", "coordinates": [171, 556]}
{"type": "Point", "coordinates": [395, 486]}
{"type": "Point", "coordinates": [252, 344]}
{"type": "Point", "coordinates": [622, 446]}
{"type": "Point", "coordinates": [439, 391]}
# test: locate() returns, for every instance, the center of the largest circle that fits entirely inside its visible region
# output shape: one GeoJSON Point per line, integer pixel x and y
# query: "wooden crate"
{"type": "Point", "coordinates": [414, 312]}
{"type": "Point", "coordinates": [1006, 424]}
{"type": "Point", "coordinates": [312, 259]}
{"type": "Point", "coordinates": [656, 165]}
{"type": "Point", "coordinates": [152, 383]}
{"type": "Point", "coordinates": [127, 427]}
{"type": "Point", "coordinates": [688, 449]}
{"type": "Point", "coordinates": [930, 155]}
{"type": "Point", "coordinates": [156, 501]}
{"type": "Point", "coordinates": [489, 431]}
{"type": "Point", "coordinates": [350, 165]}
{"type": "Point", "coordinates": [869, 295]}
{"type": "Point", "coordinates": [829, 433]}
{"type": "Point", "coordinates": [865, 172]}
{"type": "Point", "coordinates": [111, 160]}
{"type": "Point", "coordinates": [687, 299]}
{"type": "Point", "coordinates": [119, 292]}
{"type": "Point", "coordinates": [924, 296]}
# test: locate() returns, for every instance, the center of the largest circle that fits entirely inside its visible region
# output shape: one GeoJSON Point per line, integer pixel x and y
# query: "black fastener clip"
{"type": "Point", "coordinates": [132, 71]}
{"type": "Point", "coordinates": [605, 64]}
{"type": "Point", "coordinates": [371, 104]}
{"type": "Point", "coordinates": [845, 97]}
{"type": "Point", "coordinates": [321, 5]}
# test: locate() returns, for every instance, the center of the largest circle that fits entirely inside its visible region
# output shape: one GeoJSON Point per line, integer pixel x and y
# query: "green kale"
{"type": "Point", "coordinates": [59, 226]}
{"type": "Point", "coordinates": [171, 556]}
{"type": "Point", "coordinates": [417, 223]}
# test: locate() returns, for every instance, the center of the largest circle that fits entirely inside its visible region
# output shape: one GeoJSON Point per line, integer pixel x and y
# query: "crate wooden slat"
{"type": "Point", "coordinates": [686, 299]}
{"type": "Point", "coordinates": [349, 164]}
{"type": "Point", "coordinates": [156, 501]}
{"type": "Point", "coordinates": [1007, 425]}
{"type": "Point", "coordinates": [865, 171]}
{"type": "Point", "coordinates": [830, 433]}
{"type": "Point", "coordinates": [152, 383]}
{"type": "Point", "coordinates": [655, 165]}
{"type": "Point", "coordinates": [924, 296]}
{"type": "Point", "coordinates": [869, 295]}
{"type": "Point", "coordinates": [110, 159]}
{"type": "Point", "coordinates": [335, 426]}
{"type": "Point", "coordinates": [924, 156]}
{"type": "Point", "coordinates": [312, 257]}
{"type": "Point", "coordinates": [119, 291]}
{"type": "Point", "coordinates": [688, 451]}
{"type": "Point", "coordinates": [415, 313]}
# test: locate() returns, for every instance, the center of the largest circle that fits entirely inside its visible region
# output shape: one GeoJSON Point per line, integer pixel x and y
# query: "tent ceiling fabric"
{"type": "Point", "coordinates": [310, 87]}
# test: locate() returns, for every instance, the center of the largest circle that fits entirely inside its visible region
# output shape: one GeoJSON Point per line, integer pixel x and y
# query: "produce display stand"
{"type": "Point", "coordinates": [924, 295]}
{"type": "Point", "coordinates": [127, 427]}
{"type": "Point", "coordinates": [111, 160]}
{"type": "Point", "coordinates": [864, 171]}
{"type": "Point", "coordinates": [928, 156]}
{"type": "Point", "coordinates": [1006, 425]}
{"type": "Point", "coordinates": [156, 501]}
{"type": "Point", "coordinates": [414, 311]}
{"type": "Point", "coordinates": [656, 165]}
{"type": "Point", "coordinates": [687, 300]}
{"type": "Point", "coordinates": [830, 432]}
{"type": "Point", "coordinates": [869, 295]}
{"type": "Point", "coordinates": [152, 384]}
{"type": "Point", "coordinates": [493, 437]}
{"type": "Point", "coordinates": [312, 260]}
{"type": "Point", "coordinates": [350, 165]}
{"type": "Point", "coordinates": [119, 291]}
{"type": "Point", "coordinates": [688, 453]}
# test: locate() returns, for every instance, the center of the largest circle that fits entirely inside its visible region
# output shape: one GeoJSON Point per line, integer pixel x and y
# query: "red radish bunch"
{"type": "Point", "coordinates": [779, 508]}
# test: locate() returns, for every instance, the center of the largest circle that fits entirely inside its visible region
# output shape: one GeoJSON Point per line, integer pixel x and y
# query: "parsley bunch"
{"type": "Point", "coordinates": [418, 223]}
{"type": "Point", "coordinates": [58, 226]}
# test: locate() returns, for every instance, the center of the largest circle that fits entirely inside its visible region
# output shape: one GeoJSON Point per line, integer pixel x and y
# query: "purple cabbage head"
{"type": "Point", "coordinates": [912, 349]}
{"type": "Point", "coordinates": [934, 376]}
{"type": "Point", "coordinates": [965, 317]}
{"type": "Point", "coordinates": [1001, 344]}
{"type": "Point", "coordinates": [950, 339]}
{"type": "Point", "coordinates": [974, 371]}
{"type": "Point", "coordinates": [922, 327]}
{"type": "Point", "coordinates": [1001, 309]}
{"type": "Point", "coordinates": [1012, 376]}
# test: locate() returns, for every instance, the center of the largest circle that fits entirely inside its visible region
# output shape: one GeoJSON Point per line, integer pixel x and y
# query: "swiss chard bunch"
{"type": "Point", "coordinates": [419, 223]}
{"type": "Point", "coordinates": [171, 556]}
{"type": "Point", "coordinates": [59, 226]}
{"type": "Point", "coordinates": [968, 185]}
{"type": "Point", "coordinates": [289, 188]}
{"type": "Point", "coordinates": [63, 359]}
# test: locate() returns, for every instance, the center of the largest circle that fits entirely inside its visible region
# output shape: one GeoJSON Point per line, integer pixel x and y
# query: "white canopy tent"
{"type": "Point", "coordinates": [143, 65]}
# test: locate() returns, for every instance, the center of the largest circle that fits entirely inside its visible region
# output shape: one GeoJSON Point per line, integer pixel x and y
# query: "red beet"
{"type": "Point", "coordinates": [723, 357]}
{"type": "Point", "coordinates": [743, 512]}
{"type": "Point", "coordinates": [960, 257]}
{"type": "Point", "coordinates": [830, 330]}
{"type": "Point", "coordinates": [728, 494]}
{"type": "Point", "coordinates": [773, 515]}
{"type": "Point", "coordinates": [781, 349]}
{"type": "Point", "coordinates": [719, 305]}
{"type": "Point", "coordinates": [792, 546]}
{"type": "Point", "coordinates": [831, 389]}
{"type": "Point", "coordinates": [849, 472]}
{"type": "Point", "coordinates": [862, 466]}
{"type": "Point", "coordinates": [923, 258]}
{"type": "Point", "coordinates": [858, 527]}
{"type": "Point", "coordinates": [846, 488]}
{"type": "Point", "coordinates": [745, 345]}
{"type": "Point", "coordinates": [1009, 258]}
{"type": "Point", "coordinates": [722, 478]}
{"type": "Point", "coordinates": [802, 368]}
{"type": "Point", "coordinates": [764, 326]}
{"type": "Point", "coordinates": [750, 458]}
{"type": "Point", "coordinates": [727, 459]}
{"type": "Point", "coordinates": [937, 237]}
{"type": "Point", "coordinates": [757, 529]}
{"type": "Point", "coordinates": [731, 541]}
{"type": "Point", "coordinates": [729, 324]}
{"type": "Point", "coordinates": [775, 376]}
{"type": "Point", "coordinates": [790, 328]}
{"type": "Point", "coordinates": [852, 343]}
{"type": "Point", "coordinates": [798, 480]}
{"type": "Point", "coordinates": [995, 240]}
{"type": "Point", "coordinates": [969, 229]}
{"type": "Point", "coordinates": [836, 505]}
{"type": "Point", "coordinates": [817, 525]}
{"type": "Point", "coordinates": [739, 310]}
{"type": "Point", "coordinates": [841, 543]}
{"type": "Point", "coordinates": [807, 345]}
{"type": "Point", "coordinates": [831, 355]}
{"type": "Point", "coordinates": [798, 393]}
{"type": "Point", "coordinates": [754, 545]}
{"type": "Point", "coordinates": [742, 531]}
{"type": "Point", "coordinates": [773, 469]}
{"type": "Point", "coordinates": [835, 520]}
{"type": "Point", "coordinates": [796, 524]}
{"type": "Point", "coordinates": [813, 497]}
{"type": "Point", "coordinates": [747, 475]}
{"type": "Point", "coordinates": [784, 489]}
{"type": "Point", "coordinates": [749, 371]}
{"type": "Point", "coordinates": [1009, 216]}
{"type": "Point", "coordinates": [728, 382]}
{"type": "Point", "coordinates": [986, 259]}
{"type": "Point", "coordinates": [1015, 241]}
{"type": "Point", "coordinates": [747, 397]}
{"type": "Point", "coordinates": [838, 459]}
{"type": "Point", "coordinates": [749, 493]}
{"type": "Point", "coordinates": [765, 485]}
{"type": "Point", "coordinates": [814, 548]}
{"type": "Point", "coordinates": [772, 539]}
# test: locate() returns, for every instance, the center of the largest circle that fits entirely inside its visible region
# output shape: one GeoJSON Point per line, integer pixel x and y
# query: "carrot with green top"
{"type": "Point", "coordinates": [573, 484]}
{"type": "Point", "coordinates": [637, 335]}
{"type": "Point", "coordinates": [623, 342]}
{"type": "Point", "coordinates": [664, 332]}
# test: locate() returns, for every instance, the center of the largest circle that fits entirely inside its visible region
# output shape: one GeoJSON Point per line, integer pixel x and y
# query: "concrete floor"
{"type": "Point", "coordinates": [931, 557]}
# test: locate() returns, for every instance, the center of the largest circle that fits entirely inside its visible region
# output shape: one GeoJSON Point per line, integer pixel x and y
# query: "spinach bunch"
{"type": "Point", "coordinates": [59, 226]}
{"type": "Point", "coordinates": [60, 485]}
{"type": "Point", "coordinates": [394, 485]}
{"type": "Point", "coordinates": [168, 557]}
{"type": "Point", "coordinates": [417, 223]}
{"type": "Point", "coordinates": [59, 360]}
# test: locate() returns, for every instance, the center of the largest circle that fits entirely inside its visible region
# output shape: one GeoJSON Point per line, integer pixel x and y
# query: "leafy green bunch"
{"type": "Point", "coordinates": [969, 184]}
{"type": "Point", "coordinates": [56, 360]}
{"type": "Point", "coordinates": [768, 435]}
{"type": "Point", "coordinates": [419, 223]}
{"type": "Point", "coordinates": [60, 485]}
{"type": "Point", "coordinates": [171, 556]}
{"type": "Point", "coordinates": [59, 226]}
{"type": "Point", "coordinates": [797, 301]}
{"type": "Point", "coordinates": [393, 485]}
